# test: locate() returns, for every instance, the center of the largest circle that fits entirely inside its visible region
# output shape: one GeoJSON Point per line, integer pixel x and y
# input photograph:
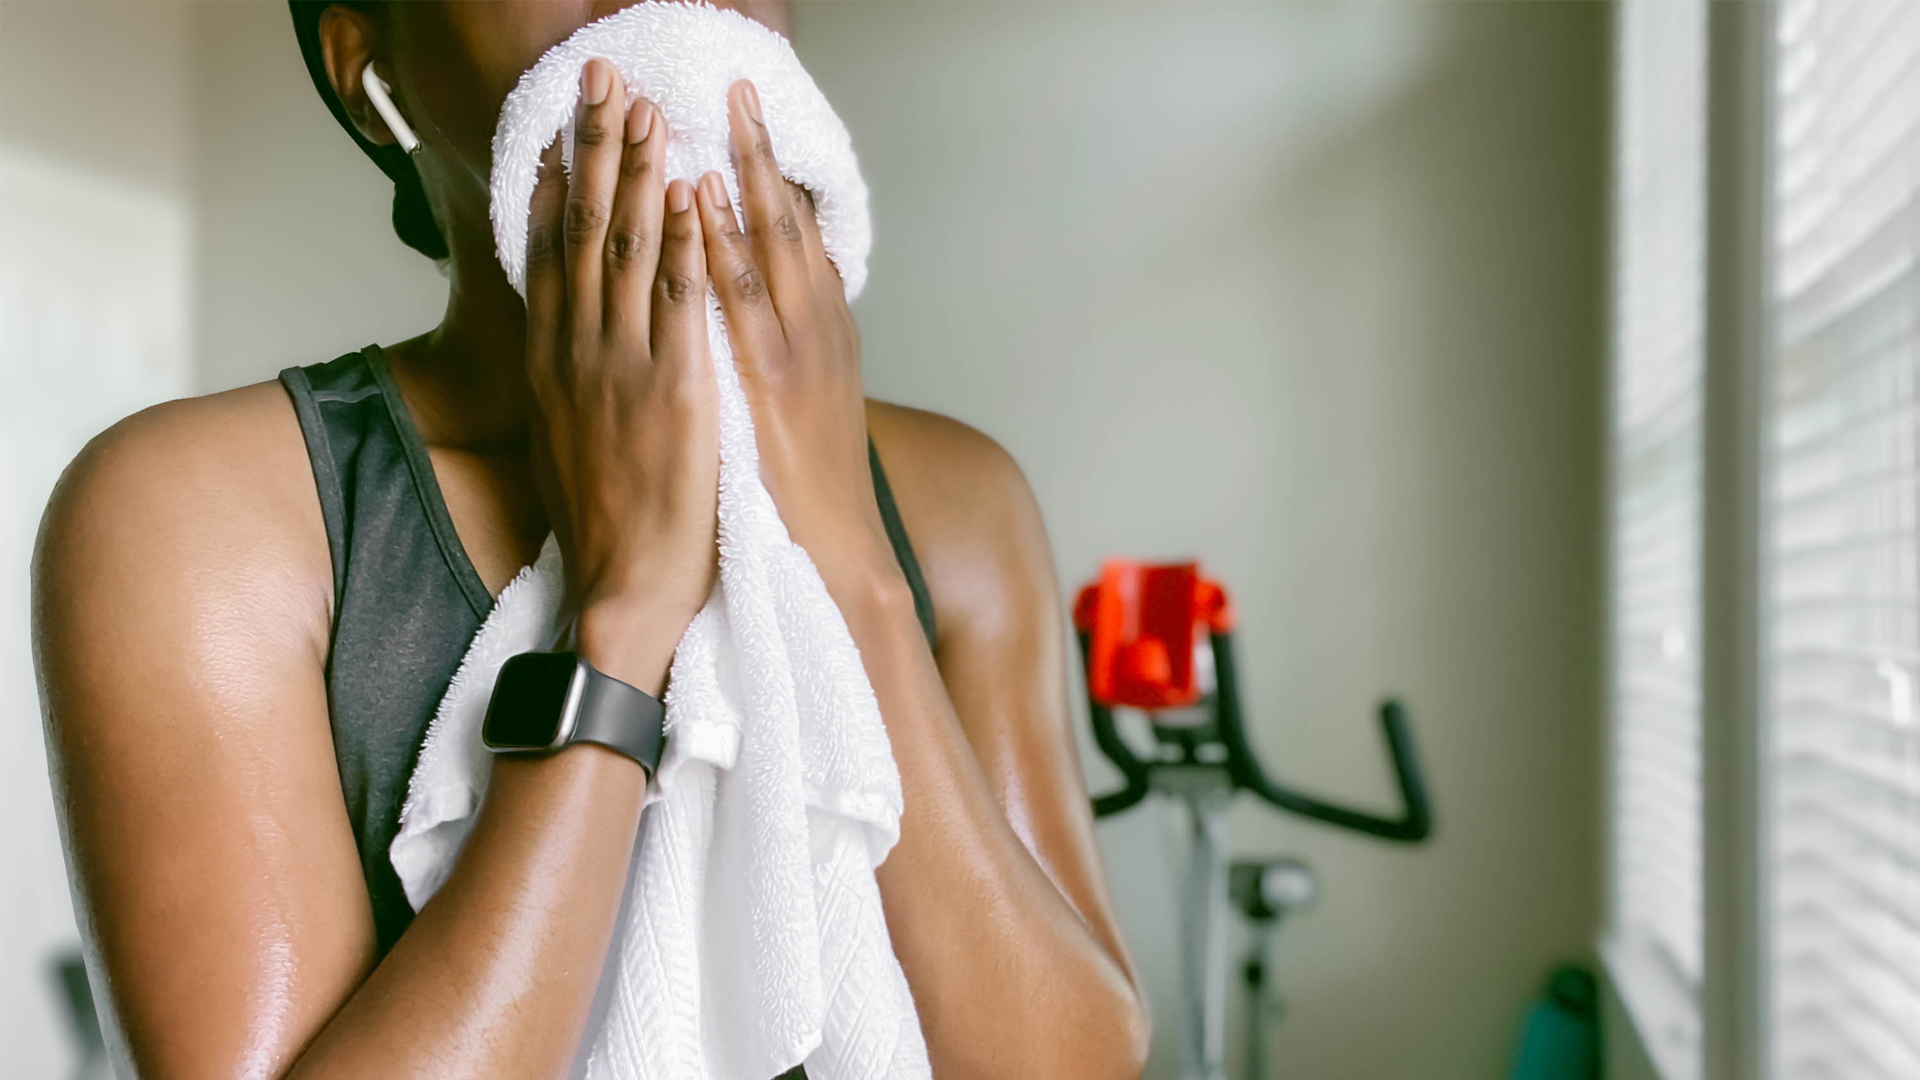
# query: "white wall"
{"type": "Point", "coordinates": [101, 86]}
{"type": "Point", "coordinates": [95, 279]}
{"type": "Point", "coordinates": [297, 261]}
{"type": "Point", "coordinates": [1312, 291]}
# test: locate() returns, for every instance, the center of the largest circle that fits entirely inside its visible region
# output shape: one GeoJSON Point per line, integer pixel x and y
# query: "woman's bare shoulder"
{"type": "Point", "coordinates": [211, 495]}
{"type": "Point", "coordinates": [970, 514]}
{"type": "Point", "coordinates": [950, 472]}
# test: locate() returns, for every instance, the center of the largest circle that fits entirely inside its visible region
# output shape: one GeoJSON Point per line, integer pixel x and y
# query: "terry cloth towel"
{"type": "Point", "coordinates": [752, 937]}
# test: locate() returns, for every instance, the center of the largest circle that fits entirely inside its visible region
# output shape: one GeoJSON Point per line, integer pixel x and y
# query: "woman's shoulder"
{"type": "Point", "coordinates": [969, 511]}
{"type": "Point", "coordinates": [210, 497]}
{"type": "Point", "coordinates": [922, 450]}
{"type": "Point", "coordinates": [231, 462]}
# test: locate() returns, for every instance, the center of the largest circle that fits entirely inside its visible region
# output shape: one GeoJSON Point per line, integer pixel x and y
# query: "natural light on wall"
{"type": "Point", "coordinates": [1654, 939]}
{"type": "Point", "coordinates": [1844, 545]}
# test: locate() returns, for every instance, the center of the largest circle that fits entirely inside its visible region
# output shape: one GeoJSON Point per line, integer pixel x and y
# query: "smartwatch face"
{"type": "Point", "coordinates": [529, 701]}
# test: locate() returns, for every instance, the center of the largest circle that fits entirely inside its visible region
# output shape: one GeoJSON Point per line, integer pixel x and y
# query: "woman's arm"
{"type": "Point", "coordinates": [1002, 665]}
{"type": "Point", "coordinates": [1014, 973]}
{"type": "Point", "coordinates": [181, 664]}
{"type": "Point", "coordinates": [996, 893]}
{"type": "Point", "coordinates": [182, 598]}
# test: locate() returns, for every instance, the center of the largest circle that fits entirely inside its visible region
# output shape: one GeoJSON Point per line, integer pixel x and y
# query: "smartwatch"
{"type": "Point", "coordinates": [547, 701]}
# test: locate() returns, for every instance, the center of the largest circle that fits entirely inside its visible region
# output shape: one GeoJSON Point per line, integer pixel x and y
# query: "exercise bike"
{"type": "Point", "coordinates": [1140, 638]}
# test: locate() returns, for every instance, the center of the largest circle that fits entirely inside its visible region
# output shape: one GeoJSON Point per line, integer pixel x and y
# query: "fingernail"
{"type": "Point", "coordinates": [639, 122]}
{"type": "Point", "coordinates": [594, 83]}
{"type": "Point", "coordinates": [679, 196]}
{"type": "Point", "coordinates": [752, 101]}
{"type": "Point", "coordinates": [716, 189]}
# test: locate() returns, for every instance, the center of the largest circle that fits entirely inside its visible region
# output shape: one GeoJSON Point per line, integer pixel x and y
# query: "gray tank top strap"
{"type": "Point", "coordinates": [902, 547]}
{"type": "Point", "coordinates": [407, 600]}
{"type": "Point", "coordinates": [352, 405]}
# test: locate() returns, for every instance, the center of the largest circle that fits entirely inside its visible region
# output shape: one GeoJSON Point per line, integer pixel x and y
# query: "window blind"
{"type": "Point", "coordinates": [1843, 756]}
{"type": "Point", "coordinates": [1659, 273]}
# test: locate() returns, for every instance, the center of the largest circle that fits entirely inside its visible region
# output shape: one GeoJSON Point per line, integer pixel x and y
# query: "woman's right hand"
{"type": "Point", "coordinates": [626, 435]}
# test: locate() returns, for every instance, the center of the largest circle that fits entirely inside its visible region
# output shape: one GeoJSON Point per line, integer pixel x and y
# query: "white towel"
{"type": "Point", "coordinates": [752, 937]}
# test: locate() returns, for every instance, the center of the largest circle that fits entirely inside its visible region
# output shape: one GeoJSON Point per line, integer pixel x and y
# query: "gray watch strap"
{"type": "Point", "coordinates": [621, 717]}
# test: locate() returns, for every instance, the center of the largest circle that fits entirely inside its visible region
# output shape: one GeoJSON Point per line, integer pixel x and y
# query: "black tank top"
{"type": "Point", "coordinates": [406, 599]}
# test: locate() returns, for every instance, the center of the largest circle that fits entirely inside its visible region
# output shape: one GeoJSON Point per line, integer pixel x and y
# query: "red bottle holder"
{"type": "Point", "coordinates": [1142, 623]}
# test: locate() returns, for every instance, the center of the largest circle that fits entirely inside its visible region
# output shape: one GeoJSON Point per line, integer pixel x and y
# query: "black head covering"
{"type": "Point", "coordinates": [412, 216]}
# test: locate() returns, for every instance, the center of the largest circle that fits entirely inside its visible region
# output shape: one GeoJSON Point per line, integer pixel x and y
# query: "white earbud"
{"type": "Point", "coordinates": [383, 104]}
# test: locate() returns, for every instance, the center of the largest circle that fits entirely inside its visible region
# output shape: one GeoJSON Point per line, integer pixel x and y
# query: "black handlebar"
{"type": "Point", "coordinates": [1415, 822]}
{"type": "Point", "coordinates": [1132, 770]}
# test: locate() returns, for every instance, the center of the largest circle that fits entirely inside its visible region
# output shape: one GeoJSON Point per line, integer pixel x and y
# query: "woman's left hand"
{"type": "Point", "coordinates": [798, 354]}
{"type": "Point", "coordinates": [1009, 976]}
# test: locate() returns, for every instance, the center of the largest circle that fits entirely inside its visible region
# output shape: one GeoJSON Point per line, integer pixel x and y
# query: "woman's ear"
{"type": "Point", "coordinates": [347, 40]}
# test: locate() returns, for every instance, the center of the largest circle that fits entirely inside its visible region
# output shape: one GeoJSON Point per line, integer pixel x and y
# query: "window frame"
{"type": "Point", "coordinates": [1734, 994]}
{"type": "Point", "coordinates": [1736, 725]}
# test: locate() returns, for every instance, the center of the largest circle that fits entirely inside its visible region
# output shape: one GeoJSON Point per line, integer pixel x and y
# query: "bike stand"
{"type": "Point", "coordinates": [1140, 637]}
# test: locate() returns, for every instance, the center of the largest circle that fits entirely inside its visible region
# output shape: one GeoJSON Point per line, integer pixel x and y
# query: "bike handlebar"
{"type": "Point", "coordinates": [1414, 823]}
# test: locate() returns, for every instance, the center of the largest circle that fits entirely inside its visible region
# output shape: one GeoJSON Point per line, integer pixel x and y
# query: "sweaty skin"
{"type": "Point", "coordinates": [182, 608]}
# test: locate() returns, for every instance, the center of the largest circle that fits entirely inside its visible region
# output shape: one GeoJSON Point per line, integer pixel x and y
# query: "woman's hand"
{"type": "Point", "coordinates": [625, 440]}
{"type": "Point", "coordinates": [798, 354]}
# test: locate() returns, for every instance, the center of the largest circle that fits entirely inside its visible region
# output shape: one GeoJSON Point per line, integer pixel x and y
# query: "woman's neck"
{"type": "Point", "coordinates": [465, 381]}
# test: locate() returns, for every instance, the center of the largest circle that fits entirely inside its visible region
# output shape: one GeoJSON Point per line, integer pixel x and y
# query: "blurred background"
{"type": "Point", "coordinates": [1399, 317]}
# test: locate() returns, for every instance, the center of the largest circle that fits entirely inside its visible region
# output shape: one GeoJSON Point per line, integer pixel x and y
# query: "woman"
{"type": "Point", "coordinates": [248, 604]}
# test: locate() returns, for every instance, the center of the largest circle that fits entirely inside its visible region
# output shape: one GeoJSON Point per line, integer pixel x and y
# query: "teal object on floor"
{"type": "Point", "coordinates": [1561, 1037]}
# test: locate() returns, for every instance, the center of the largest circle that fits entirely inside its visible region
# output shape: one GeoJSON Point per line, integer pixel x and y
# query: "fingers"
{"type": "Point", "coordinates": [632, 259]}
{"type": "Point", "coordinates": [825, 276]}
{"type": "Point", "coordinates": [546, 278]}
{"type": "Point", "coordinates": [679, 331]}
{"type": "Point", "coordinates": [599, 121]}
{"type": "Point", "coordinates": [752, 322]}
{"type": "Point", "coordinates": [778, 240]}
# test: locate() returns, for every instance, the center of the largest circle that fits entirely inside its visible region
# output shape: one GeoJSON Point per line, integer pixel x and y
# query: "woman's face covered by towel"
{"type": "Point", "coordinates": [452, 64]}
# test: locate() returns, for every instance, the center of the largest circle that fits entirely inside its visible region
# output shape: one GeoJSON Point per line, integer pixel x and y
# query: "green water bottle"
{"type": "Point", "coordinates": [1561, 1037]}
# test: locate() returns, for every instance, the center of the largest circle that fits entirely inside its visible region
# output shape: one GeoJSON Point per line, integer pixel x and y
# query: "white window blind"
{"type": "Point", "coordinates": [1654, 939]}
{"type": "Point", "coordinates": [1843, 760]}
